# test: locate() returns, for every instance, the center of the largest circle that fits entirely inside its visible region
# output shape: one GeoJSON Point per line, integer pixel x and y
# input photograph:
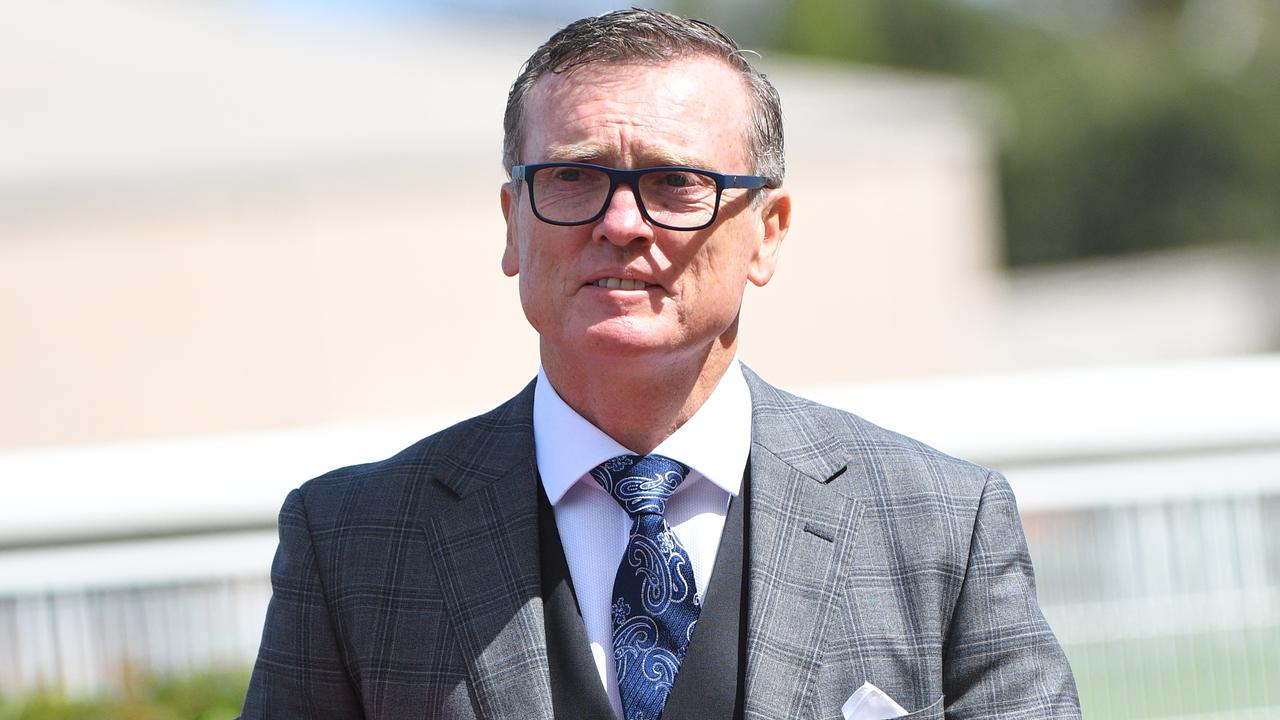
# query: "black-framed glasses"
{"type": "Point", "coordinates": [674, 197]}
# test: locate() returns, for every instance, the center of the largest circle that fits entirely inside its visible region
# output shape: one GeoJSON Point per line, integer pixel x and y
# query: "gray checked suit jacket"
{"type": "Point", "coordinates": [409, 588]}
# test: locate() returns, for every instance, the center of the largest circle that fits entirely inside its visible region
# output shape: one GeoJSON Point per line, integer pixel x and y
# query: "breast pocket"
{"type": "Point", "coordinates": [933, 712]}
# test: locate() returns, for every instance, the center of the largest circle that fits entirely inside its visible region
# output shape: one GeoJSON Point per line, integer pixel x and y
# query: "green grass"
{"type": "Point", "coordinates": [1118, 679]}
{"type": "Point", "coordinates": [205, 696]}
{"type": "Point", "coordinates": [1187, 675]}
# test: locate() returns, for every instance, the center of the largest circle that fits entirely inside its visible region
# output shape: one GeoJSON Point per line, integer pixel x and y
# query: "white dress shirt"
{"type": "Point", "coordinates": [594, 530]}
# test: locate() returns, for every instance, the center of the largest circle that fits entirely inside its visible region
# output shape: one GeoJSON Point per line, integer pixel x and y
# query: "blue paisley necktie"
{"type": "Point", "coordinates": [655, 599]}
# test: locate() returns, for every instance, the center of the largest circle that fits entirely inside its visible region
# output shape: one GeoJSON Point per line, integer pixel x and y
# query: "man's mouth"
{"type": "Point", "coordinates": [614, 283]}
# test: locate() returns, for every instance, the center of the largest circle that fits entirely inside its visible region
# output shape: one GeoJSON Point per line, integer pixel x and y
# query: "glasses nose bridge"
{"type": "Point", "coordinates": [630, 178]}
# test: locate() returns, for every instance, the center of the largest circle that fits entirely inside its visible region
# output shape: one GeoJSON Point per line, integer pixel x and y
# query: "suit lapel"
{"type": "Point", "coordinates": [485, 549]}
{"type": "Point", "coordinates": [802, 525]}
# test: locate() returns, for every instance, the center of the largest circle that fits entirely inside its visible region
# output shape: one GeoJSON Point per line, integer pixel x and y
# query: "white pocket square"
{"type": "Point", "coordinates": [870, 703]}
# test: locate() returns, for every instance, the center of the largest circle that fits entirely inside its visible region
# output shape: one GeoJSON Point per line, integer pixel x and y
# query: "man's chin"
{"type": "Point", "coordinates": [626, 346]}
{"type": "Point", "coordinates": [626, 338]}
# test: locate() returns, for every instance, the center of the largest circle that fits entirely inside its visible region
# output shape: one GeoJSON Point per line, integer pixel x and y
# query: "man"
{"type": "Point", "coordinates": [649, 529]}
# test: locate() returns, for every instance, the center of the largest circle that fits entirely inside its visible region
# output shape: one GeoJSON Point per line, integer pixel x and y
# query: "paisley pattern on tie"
{"type": "Point", "coordinates": [656, 602]}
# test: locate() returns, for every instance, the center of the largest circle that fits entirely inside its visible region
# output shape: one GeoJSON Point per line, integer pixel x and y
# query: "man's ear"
{"type": "Point", "coordinates": [510, 254]}
{"type": "Point", "coordinates": [775, 219]}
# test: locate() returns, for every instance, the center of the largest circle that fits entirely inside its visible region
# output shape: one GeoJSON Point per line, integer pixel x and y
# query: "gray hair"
{"type": "Point", "coordinates": [650, 36]}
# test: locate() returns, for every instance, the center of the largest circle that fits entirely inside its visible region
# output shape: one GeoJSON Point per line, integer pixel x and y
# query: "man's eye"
{"type": "Point", "coordinates": [678, 180]}
{"type": "Point", "coordinates": [568, 174]}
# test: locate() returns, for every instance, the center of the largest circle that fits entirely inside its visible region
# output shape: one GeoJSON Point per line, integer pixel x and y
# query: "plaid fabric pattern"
{"type": "Point", "coordinates": [409, 588]}
{"type": "Point", "coordinates": [874, 558]}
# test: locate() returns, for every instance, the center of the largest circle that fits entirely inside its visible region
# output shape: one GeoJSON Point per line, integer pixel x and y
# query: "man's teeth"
{"type": "Point", "coordinates": [620, 284]}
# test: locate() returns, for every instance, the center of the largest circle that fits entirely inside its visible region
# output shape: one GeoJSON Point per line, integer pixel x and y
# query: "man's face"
{"type": "Point", "coordinates": [691, 111]}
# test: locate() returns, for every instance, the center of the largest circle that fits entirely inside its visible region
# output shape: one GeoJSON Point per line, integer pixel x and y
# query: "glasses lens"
{"type": "Point", "coordinates": [569, 194]}
{"type": "Point", "coordinates": [679, 198]}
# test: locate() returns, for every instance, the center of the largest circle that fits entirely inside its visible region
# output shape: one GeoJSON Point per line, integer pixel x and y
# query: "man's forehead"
{"type": "Point", "coordinates": [710, 97]}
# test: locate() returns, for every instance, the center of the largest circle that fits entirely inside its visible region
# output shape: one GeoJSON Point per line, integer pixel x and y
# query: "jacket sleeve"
{"type": "Point", "coordinates": [1000, 657]}
{"type": "Point", "coordinates": [300, 672]}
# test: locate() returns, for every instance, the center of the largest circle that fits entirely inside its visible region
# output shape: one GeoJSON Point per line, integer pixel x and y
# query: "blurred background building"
{"type": "Point", "coordinates": [243, 242]}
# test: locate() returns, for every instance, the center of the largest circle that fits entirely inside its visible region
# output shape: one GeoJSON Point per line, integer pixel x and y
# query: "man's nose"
{"type": "Point", "coordinates": [622, 222]}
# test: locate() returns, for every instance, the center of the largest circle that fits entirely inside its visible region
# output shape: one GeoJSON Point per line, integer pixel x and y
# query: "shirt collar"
{"type": "Point", "coordinates": [715, 442]}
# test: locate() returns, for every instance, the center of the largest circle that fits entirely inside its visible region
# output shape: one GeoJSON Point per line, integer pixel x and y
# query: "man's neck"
{"type": "Point", "coordinates": [638, 403]}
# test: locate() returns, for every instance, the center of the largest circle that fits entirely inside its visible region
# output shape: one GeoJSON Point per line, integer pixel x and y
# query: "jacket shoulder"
{"type": "Point", "coordinates": [447, 462]}
{"type": "Point", "coordinates": [788, 424]}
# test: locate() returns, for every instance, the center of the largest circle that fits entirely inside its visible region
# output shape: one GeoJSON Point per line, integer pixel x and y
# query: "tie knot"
{"type": "Point", "coordinates": [640, 484]}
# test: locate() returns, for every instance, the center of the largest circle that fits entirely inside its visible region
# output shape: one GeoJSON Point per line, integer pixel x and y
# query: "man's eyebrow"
{"type": "Point", "coordinates": [577, 152]}
{"type": "Point", "coordinates": [660, 156]}
{"type": "Point", "coordinates": [600, 154]}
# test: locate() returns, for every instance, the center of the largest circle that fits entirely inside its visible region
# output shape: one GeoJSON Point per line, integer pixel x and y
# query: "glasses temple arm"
{"type": "Point", "coordinates": [749, 182]}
